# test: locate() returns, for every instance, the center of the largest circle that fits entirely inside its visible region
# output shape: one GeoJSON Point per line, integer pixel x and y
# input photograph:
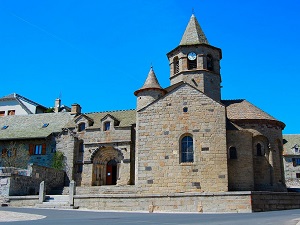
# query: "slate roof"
{"type": "Point", "coordinates": [193, 33]}
{"type": "Point", "coordinates": [150, 83]}
{"type": "Point", "coordinates": [15, 96]}
{"type": "Point", "coordinates": [30, 126]}
{"type": "Point", "coordinates": [289, 141]}
{"type": "Point", "coordinates": [242, 109]}
{"type": "Point", "coordinates": [125, 117]}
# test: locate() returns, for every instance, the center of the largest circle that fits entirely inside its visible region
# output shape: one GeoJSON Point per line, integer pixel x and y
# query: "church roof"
{"type": "Point", "coordinates": [150, 83]}
{"type": "Point", "coordinates": [243, 110]}
{"type": "Point", "coordinates": [33, 125]}
{"type": "Point", "coordinates": [193, 33]}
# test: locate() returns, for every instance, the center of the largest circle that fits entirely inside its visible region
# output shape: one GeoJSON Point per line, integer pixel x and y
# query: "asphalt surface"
{"type": "Point", "coordinates": [34, 216]}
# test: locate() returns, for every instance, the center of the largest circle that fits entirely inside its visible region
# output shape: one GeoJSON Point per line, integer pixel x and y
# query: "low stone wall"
{"type": "Point", "coordinates": [269, 201]}
{"type": "Point", "coordinates": [234, 202]}
{"type": "Point", "coordinates": [15, 184]}
{"type": "Point", "coordinates": [227, 202]}
{"type": "Point", "coordinates": [23, 201]}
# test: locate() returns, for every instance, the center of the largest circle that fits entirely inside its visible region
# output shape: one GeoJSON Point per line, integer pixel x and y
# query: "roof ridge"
{"type": "Point", "coordinates": [120, 110]}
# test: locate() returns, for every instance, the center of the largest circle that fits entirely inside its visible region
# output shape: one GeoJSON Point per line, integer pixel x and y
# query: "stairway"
{"type": "Point", "coordinates": [56, 201]}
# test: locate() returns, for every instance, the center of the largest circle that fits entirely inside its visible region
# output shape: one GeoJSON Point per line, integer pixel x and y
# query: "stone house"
{"type": "Point", "coordinates": [15, 104]}
{"type": "Point", "coordinates": [33, 134]}
{"type": "Point", "coordinates": [291, 159]}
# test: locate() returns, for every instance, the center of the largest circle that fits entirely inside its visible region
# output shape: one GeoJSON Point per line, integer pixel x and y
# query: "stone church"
{"type": "Point", "coordinates": [182, 138]}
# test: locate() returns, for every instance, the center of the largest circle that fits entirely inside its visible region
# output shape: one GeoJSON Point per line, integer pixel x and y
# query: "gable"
{"type": "Point", "coordinates": [185, 92]}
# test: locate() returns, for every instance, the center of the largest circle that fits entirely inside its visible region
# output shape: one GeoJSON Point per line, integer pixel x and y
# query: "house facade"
{"type": "Point", "coordinates": [15, 104]}
{"type": "Point", "coordinates": [291, 159]}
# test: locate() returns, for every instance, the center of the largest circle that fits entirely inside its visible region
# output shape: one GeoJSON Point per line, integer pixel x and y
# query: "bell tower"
{"type": "Point", "coordinates": [196, 62]}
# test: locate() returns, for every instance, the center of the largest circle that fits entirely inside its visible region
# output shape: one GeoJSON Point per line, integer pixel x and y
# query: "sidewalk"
{"type": "Point", "coordinates": [6, 216]}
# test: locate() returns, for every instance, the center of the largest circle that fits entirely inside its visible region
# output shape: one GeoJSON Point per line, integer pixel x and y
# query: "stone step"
{"type": "Point", "coordinates": [57, 198]}
{"type": "Point", "coordinates": [48, 205]}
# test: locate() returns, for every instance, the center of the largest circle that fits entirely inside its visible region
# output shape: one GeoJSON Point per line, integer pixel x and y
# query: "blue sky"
{"type": "Point", "coordinates": [97, 53]}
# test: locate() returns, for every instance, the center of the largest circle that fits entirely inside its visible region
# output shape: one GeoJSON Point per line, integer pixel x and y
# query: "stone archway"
{"type": "Point", "coordinates": [106, 161]}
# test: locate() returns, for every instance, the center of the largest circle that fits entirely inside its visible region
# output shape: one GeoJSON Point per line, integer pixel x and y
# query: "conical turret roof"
{"type": "Point", "coordinates": [193, 33]}
{"type": "Point", "coordinates": [150, 83]}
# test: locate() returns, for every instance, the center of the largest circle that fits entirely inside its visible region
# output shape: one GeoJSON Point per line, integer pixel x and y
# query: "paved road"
{"type": "Point", "coordinates": [77, 217]}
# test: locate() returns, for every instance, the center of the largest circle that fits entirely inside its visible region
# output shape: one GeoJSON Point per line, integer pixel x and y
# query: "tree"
{"type": "Point", "coordinates": [58, 160]}
{"type": "Point", "coordinates": [14, 155]}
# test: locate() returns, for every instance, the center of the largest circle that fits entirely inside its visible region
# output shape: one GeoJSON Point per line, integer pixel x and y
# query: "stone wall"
{"type": "Point", "coordinates": [18, 185]}
{"type": "Point", "coordinates": [43, 159]}
{"type": "Point", "coordinates": [268, 168]}
{"type": "Point", "coordinates": [160, 127]}
{"type": "Point", "coordinates": [177, 202]}
{"type": "Point", "coordinates": [240, 170]}
{"type": "Point", "coordinates": [269, 201]}
{"type": "Point", "coordinates": [66, 143]}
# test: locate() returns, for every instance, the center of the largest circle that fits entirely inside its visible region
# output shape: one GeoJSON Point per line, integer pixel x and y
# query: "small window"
{"type": "Point", "coordinates": [81, 147]}
{"type": "Point", "coordinates": [176, 65]}
{"type": "Point", "coordinates": [45, 125]}
{"type": "Point", "coordinates": [210, 63]}
{"type": "Point", "coordinates": [79, 168]}
{"type": "Point", "coordinates": [232, 153]}
{"type": "Point", "coordinates": [297, 175]}
{"type": "Point", "coordinates": [185, 109]}
{"type": "Point", "coordinates": [38, 150]}
{"type": "Point", "coordinates": [187, 149]}
{"type": "Point", "coordinates": [296, 148]}
{"type": "Point", "coordinates": [2, 113]}
{"type": "Point", "coordinates": [11, 112]}
{"type": "Point", "coordinates": [296, 161]}
{"type": "Point", "coordinates": [259, 150]}
{"type": "Point", "coordinates": [81, 127]}
{"type": "Point", "coordinates": [107, 126]}
{"type": "Point", "coordinates": [4, 127]}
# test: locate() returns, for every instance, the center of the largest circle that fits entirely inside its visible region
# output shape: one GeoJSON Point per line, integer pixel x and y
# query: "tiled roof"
{"type": "Point", "coordinates": [289, 141]}
{"type": "Point", "coordinates": [150, 83]}
{"type": "Point", "coordinates": [30, 126]}
{"type": "Point", "coordinates": [244, 110]}
{"type": "Point", "coordinates": [126, 118]}
{"type": "Point", "coordinates": [193, 33]}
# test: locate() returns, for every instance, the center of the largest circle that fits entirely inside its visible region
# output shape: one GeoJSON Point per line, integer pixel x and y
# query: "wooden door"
{"type": "Point", "coordinates": [109, 170]}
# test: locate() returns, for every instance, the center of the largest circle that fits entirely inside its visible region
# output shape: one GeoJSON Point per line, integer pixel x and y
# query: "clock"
{"type": "Point", "coordinates": [192, 56]}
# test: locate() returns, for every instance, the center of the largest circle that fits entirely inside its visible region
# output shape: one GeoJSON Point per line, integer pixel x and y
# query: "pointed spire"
{"type": "Point", "coordinates": [150, 83]}
{"type": "Point", "coordinates": [193, 33]}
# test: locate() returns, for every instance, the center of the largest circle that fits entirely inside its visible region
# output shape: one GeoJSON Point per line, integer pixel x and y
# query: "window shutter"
{"type": "Point", "coordinates": [4, 152]}
{"type": "Point", "coordinates": [31, 149]}
{"type": "Point", "coordinates": [43, 149]}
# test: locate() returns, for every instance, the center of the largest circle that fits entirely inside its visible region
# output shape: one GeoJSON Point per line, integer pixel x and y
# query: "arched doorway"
{"type": "Point", "coordinates": [111, 172]}
{"type": "Point", "coordinates": [106, 166]}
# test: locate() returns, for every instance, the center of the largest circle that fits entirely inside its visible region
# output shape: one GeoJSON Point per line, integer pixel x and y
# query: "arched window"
{"type": "Point", "coordinates": [187, 149]}
{"type": "Point", "coordinates": [232, 153]}
{"type": "Point", "coordinates": [81, 147]}
{"type": "Point", "coordinates": [209, 61]}
{"type": "Point", "coordinates": [176, 65]}
{"type": "Point", "coordinates": [81, 127]}
{"type": "Point", "coordinates": [259, 149]}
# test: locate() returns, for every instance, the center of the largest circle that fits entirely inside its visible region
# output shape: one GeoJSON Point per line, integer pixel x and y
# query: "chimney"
{"type": "Point", "coordinates": [76, 109]}
{"type": "Point", "coordinates": [57, 105]}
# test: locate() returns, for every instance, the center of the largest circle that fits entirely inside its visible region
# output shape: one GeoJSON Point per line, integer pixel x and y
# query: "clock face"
{"type": "Point", "coordinates": [192, 56]}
